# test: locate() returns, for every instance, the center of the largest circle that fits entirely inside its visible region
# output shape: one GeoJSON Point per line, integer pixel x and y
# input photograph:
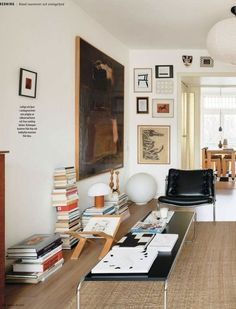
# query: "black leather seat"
{"type": "Point", "coordinates": [190, 188]}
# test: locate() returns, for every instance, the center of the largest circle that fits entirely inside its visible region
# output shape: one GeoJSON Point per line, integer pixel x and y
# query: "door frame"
{"type": "Point", "coordinates": [180, 75]}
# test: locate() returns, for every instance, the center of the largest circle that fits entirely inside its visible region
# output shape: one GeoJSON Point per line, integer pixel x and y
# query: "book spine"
{"type": "Point", "coordinates": [49, 247]}
{"type": "Point", "coordinates": [67, 207]}
{"type": "Point", "coordinates": [28, 267]}
{"type": "Point", "coordinates": [52, 260]}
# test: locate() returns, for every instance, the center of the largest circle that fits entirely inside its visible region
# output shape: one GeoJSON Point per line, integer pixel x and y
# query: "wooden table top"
{"type": "Point", "coordinates": [221, 150]}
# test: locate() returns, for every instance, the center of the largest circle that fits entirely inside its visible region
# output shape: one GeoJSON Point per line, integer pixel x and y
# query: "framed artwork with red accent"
{"type": "Point", "coordinates": [27, 83]}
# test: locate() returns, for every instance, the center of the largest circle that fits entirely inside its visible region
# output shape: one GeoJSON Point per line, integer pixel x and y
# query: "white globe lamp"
{"type": "Point", "coordinates": [141, 188]}
{"type": "Point", "coordinates": [221, 40]}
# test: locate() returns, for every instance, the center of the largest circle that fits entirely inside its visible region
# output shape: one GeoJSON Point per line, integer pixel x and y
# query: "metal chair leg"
{"type": "Point", "coordinates": [214, 212]}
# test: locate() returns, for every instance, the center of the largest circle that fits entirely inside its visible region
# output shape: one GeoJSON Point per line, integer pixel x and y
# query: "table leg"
{"type": "Point", "coordinates": [208, 159]}
{"type": "Point", "coordinates": [233, 165]}
{"type": "Point", "coordinates": [165, 294]}
{"type": "Point", "coordinates": [78, 293]}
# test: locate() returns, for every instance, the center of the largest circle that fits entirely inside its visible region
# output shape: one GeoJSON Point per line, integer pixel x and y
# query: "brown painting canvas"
{"type": "Point", "coordinates": [99, 111]}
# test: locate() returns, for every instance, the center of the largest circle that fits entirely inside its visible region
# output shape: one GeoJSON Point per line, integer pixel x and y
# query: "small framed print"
{"type": "Point", "coordinates": [164, 71]}
{"type": "Point", "coordinates": [153, 144]}
{"type": "Point", "coordinates": [27, 83]}
{"type": "Point", "coordinates": [142, 80]}
{"type": "Point", "coordinates": [142, 105]}
{"type": "Point", "coordinates": [162, 108]}
{"type": "Point", "coordinates": [206, 62]}
{"type": "Point", "coordinates": [165, 86]}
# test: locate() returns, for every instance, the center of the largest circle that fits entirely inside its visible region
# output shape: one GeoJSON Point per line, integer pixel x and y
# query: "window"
{"type": "Point", "coordinates": [218, 109]}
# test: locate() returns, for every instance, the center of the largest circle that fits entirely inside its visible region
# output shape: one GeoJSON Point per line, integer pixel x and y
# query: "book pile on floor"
{"type": "Point", "coordinates": [65, 199]}
{"type": "Point", "coordinates": [94, 211]}
{"type": "Point", "coordinates": [37, 257]}
{"type": "Point", "coordinates": [120, 202]}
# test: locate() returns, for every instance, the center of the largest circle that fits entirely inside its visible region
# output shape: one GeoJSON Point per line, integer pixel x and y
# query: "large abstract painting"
{"type": "Point", "coordinates": [99, 111]}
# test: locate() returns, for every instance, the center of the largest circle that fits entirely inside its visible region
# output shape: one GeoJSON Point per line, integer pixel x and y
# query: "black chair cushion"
{"type": "Point", "coordinates": [190, 183]}
{"type": "Point", "coordinates": [186, 200]}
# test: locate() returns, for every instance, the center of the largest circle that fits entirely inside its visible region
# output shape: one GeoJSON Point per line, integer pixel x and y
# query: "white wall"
{"type": "Point", "coordinates": [42, 39]}
{"type": "Point", "coordinates": [148, 59]}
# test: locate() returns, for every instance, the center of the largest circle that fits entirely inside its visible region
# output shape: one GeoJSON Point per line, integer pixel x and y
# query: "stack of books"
{"type": "Point", "coordinates": [65, 198]}
{"type": "Point", "coordinates": [94, 211]}
{"type": "Point", "coordinates": [37, 257]}
{"type": "Point", "coordinates": [120, 202]}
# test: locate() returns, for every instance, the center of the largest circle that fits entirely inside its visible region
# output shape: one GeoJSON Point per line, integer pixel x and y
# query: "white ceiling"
{"type": "Point", "coordinates": [158, 24]}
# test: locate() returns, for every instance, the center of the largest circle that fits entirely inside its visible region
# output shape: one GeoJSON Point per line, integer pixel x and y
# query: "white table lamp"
{"type": "Point", "coordinates": [98, 190]}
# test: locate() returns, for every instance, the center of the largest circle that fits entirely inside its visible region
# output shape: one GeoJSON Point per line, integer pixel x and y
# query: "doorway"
{"type": "Point", "coordinates": [190, 120]}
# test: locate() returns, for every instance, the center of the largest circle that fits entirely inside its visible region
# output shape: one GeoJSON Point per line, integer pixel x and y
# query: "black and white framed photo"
{"type": "Point", "coordinates": [206, 61]}
{"type": "Point", "coordinates": [142, 80]}
{"type": "Point", "coordinates": [164, 71]}
{"type": "Point", "coordinates": [162, 108]}
{"type": "Point", "coordinates": [27, 83]}
{"type": "Point", "coordinates": [142, 105]}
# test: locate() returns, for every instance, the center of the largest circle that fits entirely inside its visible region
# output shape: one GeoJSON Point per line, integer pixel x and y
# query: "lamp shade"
{"type": "Point", "coordinates": [99, 189]}
{"type": "Point", "coordinates": [141, 188]}
{"type": "Point", "coordinates": [221, 41]}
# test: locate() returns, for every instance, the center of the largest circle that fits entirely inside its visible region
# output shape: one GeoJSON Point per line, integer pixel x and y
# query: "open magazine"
{"type": "Point", "coordinates": [152, 224]}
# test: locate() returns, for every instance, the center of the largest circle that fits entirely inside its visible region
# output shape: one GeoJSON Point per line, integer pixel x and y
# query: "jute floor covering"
{"type": "Point", "coordinates": [204, 277]}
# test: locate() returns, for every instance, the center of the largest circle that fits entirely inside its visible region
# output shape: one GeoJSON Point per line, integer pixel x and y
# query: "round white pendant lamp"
{"type": "Point", "coordinates": [221, 40]}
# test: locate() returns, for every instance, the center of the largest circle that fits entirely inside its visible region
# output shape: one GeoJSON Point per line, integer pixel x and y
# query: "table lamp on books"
{"type": "Point", "coordinates": [98, 191]}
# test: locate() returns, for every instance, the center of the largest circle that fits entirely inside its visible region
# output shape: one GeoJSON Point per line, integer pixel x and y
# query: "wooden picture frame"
{"type": "Point", "coordinates": [164, 71]}
{"type": "Point", "coordinates": [153, 144]}
{"type": "Point", "coordinates": [162, 108]}
{"type": "Point", "coordinates": [27, 83]}
{"type": "Point", "coordinates": [142, 105]}
{"type": "Point", "coordinates": [142, 80]}
{"type": "Point", "coordinates": [99, 111]}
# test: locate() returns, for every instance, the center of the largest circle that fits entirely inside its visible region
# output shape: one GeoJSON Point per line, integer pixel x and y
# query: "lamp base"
{"type": "Point", "coordinates": [99, 201]}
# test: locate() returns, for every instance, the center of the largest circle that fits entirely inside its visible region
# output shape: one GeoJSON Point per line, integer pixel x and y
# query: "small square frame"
{"type": "Point", "coordinates": [142, 80]}
{"type": "Point", "coordinates": [164, 71]}
{"type": "Point", "coordinates": [27, 83]}
{"type": "Point", "coordinates": [164, 86]}
{"type": "Point", "coordinates": [142, 105]}
{"type": "Point", "coordinates": [162, 108]}
{"type": "Point", "coordinates": [206, 61]}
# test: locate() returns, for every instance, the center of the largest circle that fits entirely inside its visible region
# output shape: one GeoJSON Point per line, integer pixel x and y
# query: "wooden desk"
{"type": "Point", "coordinates": [58, 290]}
{"type": "Point", "coordinates": [222, 152]}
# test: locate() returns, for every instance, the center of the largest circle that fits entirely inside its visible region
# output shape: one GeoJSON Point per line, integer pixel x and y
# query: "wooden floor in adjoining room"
{"type": "Point", "coordinates": [204, 277]}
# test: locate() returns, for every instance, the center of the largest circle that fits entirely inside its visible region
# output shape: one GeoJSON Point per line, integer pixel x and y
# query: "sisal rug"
{"type": "Point", "coordinates": [204, 277]}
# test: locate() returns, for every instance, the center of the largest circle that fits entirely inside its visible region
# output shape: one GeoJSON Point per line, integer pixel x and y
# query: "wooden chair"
{"type": "Point", "coordinates": [226, 164]}
{"type": "Point", "coordinates": [216, 162]}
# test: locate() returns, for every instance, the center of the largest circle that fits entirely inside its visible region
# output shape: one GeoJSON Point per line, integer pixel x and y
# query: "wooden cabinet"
{"type": "Point", "coordinates": [2, 226]}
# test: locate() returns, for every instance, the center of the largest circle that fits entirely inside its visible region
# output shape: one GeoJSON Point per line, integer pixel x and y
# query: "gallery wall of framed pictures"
{"type": "Point", "coordinates": [154, 90]}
